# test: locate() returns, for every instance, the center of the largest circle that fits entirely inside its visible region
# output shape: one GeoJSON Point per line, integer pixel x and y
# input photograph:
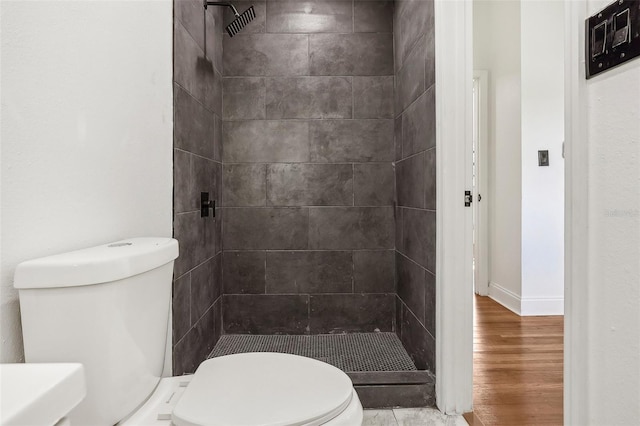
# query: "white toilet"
{"type": "Point", "coordinates": [108, 307]}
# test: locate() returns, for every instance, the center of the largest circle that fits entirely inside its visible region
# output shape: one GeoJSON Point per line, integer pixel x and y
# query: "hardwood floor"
{"type": "Point", "coordinates": [517, 364]}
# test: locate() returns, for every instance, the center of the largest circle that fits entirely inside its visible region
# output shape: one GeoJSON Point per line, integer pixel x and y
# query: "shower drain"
{"type": "Point", "coordinates": [349, 352]}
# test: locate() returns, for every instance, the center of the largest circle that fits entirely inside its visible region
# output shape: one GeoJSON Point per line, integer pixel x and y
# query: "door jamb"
{"type": "Point", "coordinates": [480, 206]}
{"type": "Point", "coordinates": [576, 235]}
{"type": "Point", "coordinates": [454, 274]}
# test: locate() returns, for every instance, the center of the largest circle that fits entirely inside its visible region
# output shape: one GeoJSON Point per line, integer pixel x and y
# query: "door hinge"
{"type": "Point", "coordinates": [468, 198]}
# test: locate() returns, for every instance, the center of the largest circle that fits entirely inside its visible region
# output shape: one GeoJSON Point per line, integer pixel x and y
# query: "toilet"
{"type": "Point", "coordinates": [108, 307]}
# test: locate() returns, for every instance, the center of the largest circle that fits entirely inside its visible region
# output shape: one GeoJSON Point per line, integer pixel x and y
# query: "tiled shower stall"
{"type": "Point", "coordinates": [314, 130]}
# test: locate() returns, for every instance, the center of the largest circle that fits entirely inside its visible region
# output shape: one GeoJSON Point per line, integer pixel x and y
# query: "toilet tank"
{"type": "Point", "coordinates": [106, 307]}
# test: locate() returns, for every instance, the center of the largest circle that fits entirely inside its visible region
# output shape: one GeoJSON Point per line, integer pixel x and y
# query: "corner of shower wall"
{"type": "Point", "coordinates": [197, 285]}
{"type": "Point", "coordinates": [415, 174]}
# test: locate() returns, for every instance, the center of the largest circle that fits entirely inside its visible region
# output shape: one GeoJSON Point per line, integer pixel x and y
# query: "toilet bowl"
{"type": "Point", "coordinates": [107, 307]}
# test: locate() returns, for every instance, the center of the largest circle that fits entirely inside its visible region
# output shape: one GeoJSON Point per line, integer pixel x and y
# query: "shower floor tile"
{"type": "Point", "coordinates": [357, 352]}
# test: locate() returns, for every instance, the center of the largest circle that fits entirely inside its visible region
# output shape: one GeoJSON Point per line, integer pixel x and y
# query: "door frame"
{"type": "Point", "coordinates": [454, 295]}
{"type": "Point", "coordinates": [577, 389]}
{"type": "Point", "coordinates": [454, 291]}
{"type": "Point", "coordinates": [481, 187]}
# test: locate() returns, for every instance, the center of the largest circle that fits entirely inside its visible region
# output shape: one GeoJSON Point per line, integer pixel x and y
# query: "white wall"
{"type": "Point", "coordinates": [612, 288]}
{"type": "Point", "coordinates": [542, 129]}
{"type": "Point", "coordinates": [86, 131]}
{"type": "Point", "coordinates": [500, 55]}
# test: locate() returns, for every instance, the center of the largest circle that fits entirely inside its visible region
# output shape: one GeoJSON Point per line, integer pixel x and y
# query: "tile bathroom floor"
{"type": "Point", "coordinates": [410, 417]}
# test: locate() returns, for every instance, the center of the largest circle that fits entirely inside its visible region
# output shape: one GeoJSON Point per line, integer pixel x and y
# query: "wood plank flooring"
{"type": "Point", "coordinates": [517, 362]}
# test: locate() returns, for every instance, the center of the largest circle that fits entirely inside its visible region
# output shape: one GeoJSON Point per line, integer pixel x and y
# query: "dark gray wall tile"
{"type": "Point", "coordinates": [351, 140]}
{"type": "Point", "coordinates": [372, 16]}
{"type": "Point", "coordinates": [266, 314]}
{"type": "Point", "coordinates": [398, 316]}
{"type": "Point", "coordinates": [190, 14]}
{"type": "Point", "coordinates": [213, 24]}
{"type": "Point", "coordinates": [185, 230]}
{"type": "Point", "coordinates": [266, 141]}
{"type": "Point", "coordinates": [266, 54]}
{"type": "Point", "coordinates": [309, 97]}
{"type": "Point", "coordinates": [266, 228]}
{"type": "Point", "coordinates": [244, 272]}
{"type": "Point", "coordinates": [181, 307]}
{"type": "Point", "coordinates": [398, 222]}
{"type": "Point", "coordinates": [197, 141]}
{"type": "Point", "coordinates": [410, 82]}
{"type": "Point", "coordinates": [411, 285]}
{"type": "Point", "coordinates": [397, 137]}
{"type": "Point", "coordinates": [217, 276]}
{"type": "Point", "coordinates": [419, 235]}
{"type": "Point", "coordinates": [196, 237]}
{"type": "Point", "coordinates": [217, 320]}
{"type": "Point", "coordinates": [251, 134]}
{"type": "Point", "coordinates": [207, 175]}
{"type": "Point", "coordinates": [244, 98]}
{"type": "Point", "coordinates": [188, 63]}
{"type": "Point", "coordinates": [414, 235]}
{"type": "Point", "coordinates": [194, 126]}
{"type": "Point", "coordinates": [338, 313]}
{"type": "Point", "coordinates": [412, 19]}
{"type": "Point", "coordinates": [309, 272]}
{"type": "Point", "coordinates": [245, 185]}
{"type": "Point", "coordinates": [430, 58]}
{"type": "Point", "coordinates": [419, 124]}
{"type": "Point", "coordinates": [202, 290]}
{"type": "Point", "coordinates": [417, 341]}
{"type": "Point", "coordinates": [414, 50]}
{"type": "Point", "coordinates": [344, 228]}
{"type": "Point", "coordinates": [309, 184]}
{"type": "Point", "coordinates": [374, 271]}
{"type": "Point", "coordinates": [195, 346]}
{"type": "Point", "coordinates": [430, 179]}
{"type": "Point", "coordinates": [430, 237]}
{"type": "Point", "coordinates": [217, 138]}
{"type": "Point", "coordinates": [351, 54]}
{"type": "Point", "coordinates": [213, 90]}
{"type": "Point", "coordinates": [297, 16]}
{"type": "Point", "coordinates": [373, 97]}
{"type": "Point", "coordinates": [373, 184]}
{"type": "Point", "coordinates": [182, 181]}
{"type": "Point", "coordinates": [430, 303]}
{"type": "Point", "coordinates": [217, 225]}
{"type": "Point", "coordinates": [410, 181]}
{"type": "Point", "coordinates": [255, 26]}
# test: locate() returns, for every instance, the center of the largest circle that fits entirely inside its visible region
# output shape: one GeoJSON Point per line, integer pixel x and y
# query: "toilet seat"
{"type": "Point", "coordinates": [267, 389]}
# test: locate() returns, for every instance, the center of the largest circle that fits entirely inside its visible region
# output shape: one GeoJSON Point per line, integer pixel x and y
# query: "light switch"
{"type": "Point", "coordinates": [622, 28]}
{"type": "Point", "coordinates": [599, 39]}
{"type": "Point", "coordinates": [543, 158]}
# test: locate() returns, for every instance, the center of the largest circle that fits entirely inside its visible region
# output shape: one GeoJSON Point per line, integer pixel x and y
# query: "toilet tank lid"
{"type": "Point", "coordinates": [95, 265]}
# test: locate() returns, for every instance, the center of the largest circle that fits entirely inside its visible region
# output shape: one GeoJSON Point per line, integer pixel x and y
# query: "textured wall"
{"type": "Point", "coordinates": [197, 287]}
{"type": "Point", "coordinates": [415, 145]}
{"type": "Point", "coordinates": [308, 173]}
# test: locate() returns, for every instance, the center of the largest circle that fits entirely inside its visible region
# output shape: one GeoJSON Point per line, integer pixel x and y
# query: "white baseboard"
{"type": "Point", "coordinates": [505, 297]}
{"type": "Point", "coordinates": [542, 306]}
{"type": "Point", "coordinates": [526, 306]}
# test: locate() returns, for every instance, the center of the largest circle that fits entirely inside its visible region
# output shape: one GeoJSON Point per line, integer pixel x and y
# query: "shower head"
{"type": "Point", "coordinates": [242, 19]}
